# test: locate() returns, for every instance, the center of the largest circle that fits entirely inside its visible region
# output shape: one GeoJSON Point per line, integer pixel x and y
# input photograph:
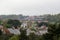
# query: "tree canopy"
{"type": "Point", "coordinates": [14, 23]}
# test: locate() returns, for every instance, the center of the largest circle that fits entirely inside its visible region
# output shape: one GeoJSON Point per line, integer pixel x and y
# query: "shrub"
{"type": "Point", "coordinates": [15, 37]}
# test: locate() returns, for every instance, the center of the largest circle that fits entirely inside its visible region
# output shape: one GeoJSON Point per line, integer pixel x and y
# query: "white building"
{"type": "Point", "coordinates": [14, 31]}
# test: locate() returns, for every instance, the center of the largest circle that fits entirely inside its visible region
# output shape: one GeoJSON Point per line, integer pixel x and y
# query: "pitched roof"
{"type": "Point", "coordinates": [14, 31]}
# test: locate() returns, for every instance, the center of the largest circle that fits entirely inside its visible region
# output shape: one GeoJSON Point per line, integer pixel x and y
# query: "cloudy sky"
{"type": "Point", "coordinates": [29, 7]}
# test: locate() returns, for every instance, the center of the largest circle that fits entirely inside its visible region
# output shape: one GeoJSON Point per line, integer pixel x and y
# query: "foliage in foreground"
{"type": "Point", "coordinates": [53, 34]}
{"type": "Point", "coordinates": [15, 37]}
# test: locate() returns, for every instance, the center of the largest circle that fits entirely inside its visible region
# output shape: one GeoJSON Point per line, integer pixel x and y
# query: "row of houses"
{"type": "Point", "coordinates": [10, 30]}
{"type": "Point", "coordinates": [26, 25]}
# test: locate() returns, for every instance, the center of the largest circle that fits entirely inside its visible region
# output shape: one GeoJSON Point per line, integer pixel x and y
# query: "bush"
{"type": "Point", "coordinates": [15, 37]}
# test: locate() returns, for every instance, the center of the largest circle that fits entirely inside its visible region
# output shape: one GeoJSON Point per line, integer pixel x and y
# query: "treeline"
{"type": "Point", "coordinates": [48, 17]}
{"type": "Point", "coordinates": [14, 17]}
{"type": "Point", "coordinates": [53, 18]}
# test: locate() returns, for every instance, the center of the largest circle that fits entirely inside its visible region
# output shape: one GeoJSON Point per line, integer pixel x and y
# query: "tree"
{"type": "Point", "coordinates": [54, 29]}
{"type": "Point", "coordinates": [15, 37]}
{"type": "Point", "coordinates": [1, 22]}
{"type": "Point", "coordinates": [0, 32]}
{"type": "Point", "coordinates": [32, 36]}
{"type": "Point", "coordinates": [23, 35]}
{"type": "Point", "coordinates": [47, 36]}
{"type": "Point", "coordinates": [14, 23]}
{"type": "Point", "coordinates": [42, 23]}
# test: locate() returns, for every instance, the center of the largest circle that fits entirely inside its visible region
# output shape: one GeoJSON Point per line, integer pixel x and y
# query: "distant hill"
{"type": "Point", "coordinates": [53, 18]}
{"type": "Point", "coordinates": [48, 17]}
{"type": "Point", "coordinates": [17, 17]}
{"type": "Point", "coordinates": [21, 17]}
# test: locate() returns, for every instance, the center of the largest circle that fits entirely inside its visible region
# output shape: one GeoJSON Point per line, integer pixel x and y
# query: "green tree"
{"type": "Point", "coordinates": [54, 30]}
{"type": "Point", "coordinates": [23, 35]}
{"type": "Point", "coordinates": [32, 36]}
{"type": "Point", "coordinates": [14, 23]}
{"type": "Point", "coordinates": [0, 32]}
{"type": "Point", "coordinates": [42, 23]}
{"type": "Point", "coordinates": [15, 37]}
{"type": "Point", "coordinates": [47, 36]}
{"type": "Point", "coordinates": [1, 22]}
